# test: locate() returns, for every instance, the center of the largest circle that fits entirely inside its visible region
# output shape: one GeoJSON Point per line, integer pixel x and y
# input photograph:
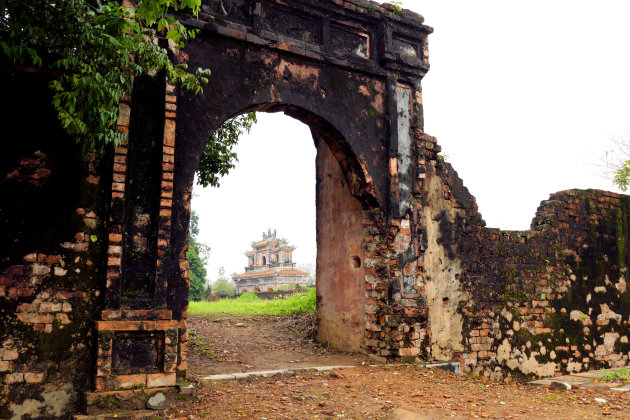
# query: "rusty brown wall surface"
{"type": "Point", "coordinates": [340, 258]}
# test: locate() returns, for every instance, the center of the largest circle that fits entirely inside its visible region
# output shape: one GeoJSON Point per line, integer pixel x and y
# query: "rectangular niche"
{"type": "Point", "coordinates": [137, 352]}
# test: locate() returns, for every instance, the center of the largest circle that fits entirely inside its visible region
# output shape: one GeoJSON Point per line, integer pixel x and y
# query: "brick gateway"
{"type": "Point", "coordinates": [93, 290]}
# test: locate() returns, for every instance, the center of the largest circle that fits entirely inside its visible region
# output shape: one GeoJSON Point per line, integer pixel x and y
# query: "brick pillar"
{"type": "Point", "coordinates": [139, 342]}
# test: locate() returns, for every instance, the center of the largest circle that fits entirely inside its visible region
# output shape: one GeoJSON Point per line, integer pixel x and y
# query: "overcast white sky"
{"type": "Point", "coordinates": [523, 96]}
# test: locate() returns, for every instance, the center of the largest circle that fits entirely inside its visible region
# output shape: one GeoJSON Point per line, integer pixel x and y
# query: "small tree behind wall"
{"type": "Point", "coordinates": [197, 256]}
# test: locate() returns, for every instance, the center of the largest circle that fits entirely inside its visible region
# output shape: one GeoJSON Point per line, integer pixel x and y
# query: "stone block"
{"type": "Point", "coordinates": [130, 381]}
{"type": "Point", "coordinates": [155, 380]}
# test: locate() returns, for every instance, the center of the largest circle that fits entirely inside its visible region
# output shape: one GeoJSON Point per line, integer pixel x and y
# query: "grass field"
{"type": "Point", "coordinates": [250, 304]}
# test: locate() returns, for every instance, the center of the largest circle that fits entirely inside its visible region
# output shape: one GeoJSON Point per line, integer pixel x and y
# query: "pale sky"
{"type": "Point", "coordinates": [523, 96]}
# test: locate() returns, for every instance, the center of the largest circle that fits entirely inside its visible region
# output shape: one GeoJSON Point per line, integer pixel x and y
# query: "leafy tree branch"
{"type": "Point", "coordinates": [96, 48]}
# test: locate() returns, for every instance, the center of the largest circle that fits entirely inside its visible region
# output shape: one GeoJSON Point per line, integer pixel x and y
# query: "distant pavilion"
{"type": "Point", "coordinates": [270, 265]}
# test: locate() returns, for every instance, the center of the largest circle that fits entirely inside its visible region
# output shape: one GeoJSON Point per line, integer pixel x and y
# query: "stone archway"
{"type": "Point", "coordinates": [352, 75]}
{"type": "Point", "coordinates": [349, 70]}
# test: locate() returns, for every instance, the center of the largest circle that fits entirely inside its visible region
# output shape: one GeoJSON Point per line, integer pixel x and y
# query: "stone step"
{"type": "Point", "coordinates": [586, 380]}
{"type": "Point", "coordinates": [268, 373]}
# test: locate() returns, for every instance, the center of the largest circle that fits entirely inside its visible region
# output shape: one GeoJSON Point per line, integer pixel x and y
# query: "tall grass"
{"type": "Point", "coordinates": [250, 304]}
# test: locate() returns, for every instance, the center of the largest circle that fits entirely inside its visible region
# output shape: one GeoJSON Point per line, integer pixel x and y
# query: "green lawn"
{"type": "Point", "coordinates": [250, 304]}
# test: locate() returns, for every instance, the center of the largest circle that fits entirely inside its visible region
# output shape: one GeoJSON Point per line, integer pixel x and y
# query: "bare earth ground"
{"type": "Point", "coordinates": [229, 343]}
{"type": "Point", "coordinates": [364, 392]}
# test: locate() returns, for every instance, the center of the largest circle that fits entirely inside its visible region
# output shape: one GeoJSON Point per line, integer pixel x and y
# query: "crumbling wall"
{"type": "Point", "coordinates": [52, 245]}
{"type": "Point", "coordinates": [532, 303]}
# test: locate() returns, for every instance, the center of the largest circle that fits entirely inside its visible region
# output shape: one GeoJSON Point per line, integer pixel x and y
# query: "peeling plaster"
{"type": "Point", "coordinates": [55, 404]}
{"type": "Point", "coordinates": [527, 366]}
{"type": "Point", "coordinates": [442, 281]}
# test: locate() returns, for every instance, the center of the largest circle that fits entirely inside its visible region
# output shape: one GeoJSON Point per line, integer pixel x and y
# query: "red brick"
{"type": "Point", "coordinates": [118, 186]}
{"type": "Point", "coordinates": [63, 318]}
{"type": "Point", "coordinates": [34, 377]}
{"type": "Point", "coordinates": [53, 259]}
{"type": "Point", "coordinates": [6, 281]}
{"type": "Point", "coordinates": [124, 114]}
{"type": "Point", "coordinates": [21, 292]}
{"type": "Point", "coordinates": [113, 261]}
{"type": "Point", "coordinates": [50, 307]}
{"type": "Point", "coordinates": [9, 354]}
{"type": "Point", "coordinates": [169, 133]}
{"type": "Point", "coordinates": [35, 318]}
{"type": "Point", "coordinates": [114, 250]}
{"type": "Point", "coordinates": [411, 351]}
{"type": "Point", "coordinates": [14, 378]}
{"type": "Point", "coordinates": [115, 237]}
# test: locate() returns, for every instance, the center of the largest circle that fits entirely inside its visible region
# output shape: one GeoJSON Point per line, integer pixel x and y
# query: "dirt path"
{"type": "Point", "coordinates": [228, 344]}
{"type": "Point", "coordinates": [365, 392]}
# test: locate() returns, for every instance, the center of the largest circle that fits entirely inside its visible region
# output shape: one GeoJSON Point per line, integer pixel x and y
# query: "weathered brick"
{"type": "Point", "coordinates": [9, 354]}
{"type": "Point", "coordinates": [14, 378]}
{"type": "Point", "coordinates": [35, 318]}
{"type": "Point", "coordinates": [115, 237]}
{"type": "Point", "coordinates": [34, 377]}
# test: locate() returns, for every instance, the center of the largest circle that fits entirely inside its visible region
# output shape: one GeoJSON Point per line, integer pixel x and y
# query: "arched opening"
{"type": "Point", "coordinates": [342, 194]}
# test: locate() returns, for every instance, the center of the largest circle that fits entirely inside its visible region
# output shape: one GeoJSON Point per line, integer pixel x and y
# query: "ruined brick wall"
{"type": "Point", "coordinates": [52, 254]}
{"type": "Point", "coordinates": [534, 303]}
{"type": "Point", "coordinates": [84, 263]}
{"type": "Point", "coordinates": [93, 276]}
